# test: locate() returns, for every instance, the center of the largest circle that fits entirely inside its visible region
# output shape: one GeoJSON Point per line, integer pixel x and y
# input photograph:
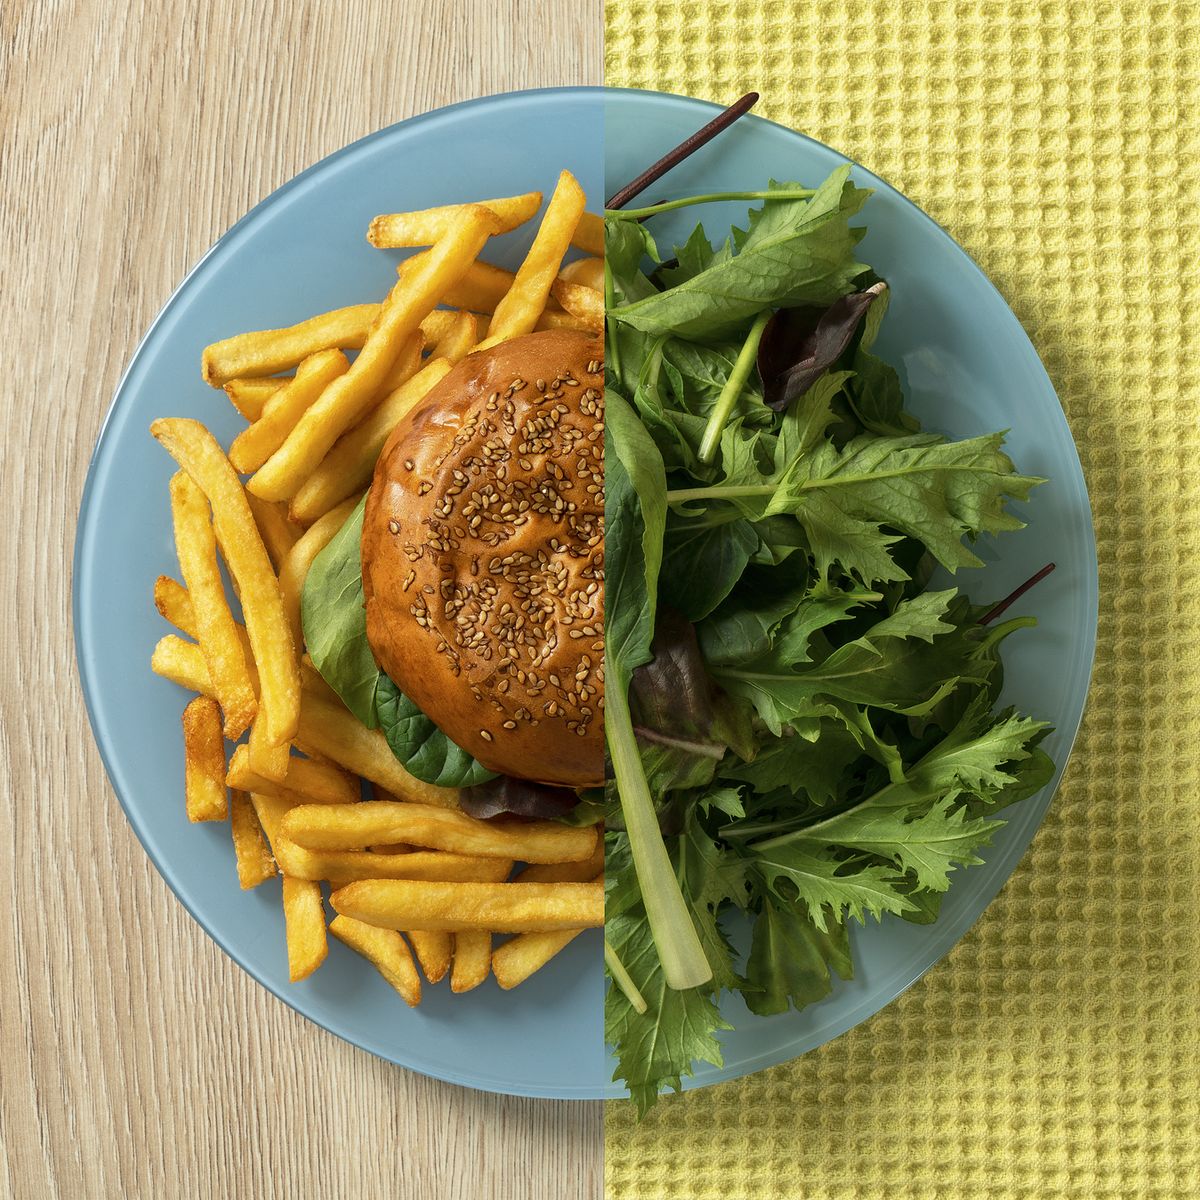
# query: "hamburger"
{"type": "Point", "coordinates": [482, 558]}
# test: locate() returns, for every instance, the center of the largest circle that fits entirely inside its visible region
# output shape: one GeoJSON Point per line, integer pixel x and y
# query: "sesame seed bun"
{"type": "Point", "coordinates": [483, 557]}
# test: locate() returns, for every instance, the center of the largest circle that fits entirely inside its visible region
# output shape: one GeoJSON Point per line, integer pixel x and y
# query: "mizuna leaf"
{"type": "Point", "coordinates": [929, 845]}
{"type": "Point", "coordinates": [829, 887]}
{"type": "Point", "coordinates": [655, 1049]}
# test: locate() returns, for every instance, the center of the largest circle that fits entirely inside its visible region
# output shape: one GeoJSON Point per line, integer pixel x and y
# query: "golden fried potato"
{"type": "Point", "coordinates": [386, 950]}
{"type": "Point", "coordinates": [408, 904]}
{"type": "Point", "coordinates": [353, 826]}
{"type": "Point", "coordinates": [204, 761]}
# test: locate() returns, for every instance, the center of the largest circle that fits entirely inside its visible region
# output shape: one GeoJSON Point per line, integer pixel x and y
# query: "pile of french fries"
{"type": "Point", "coordinates": [414, 879]}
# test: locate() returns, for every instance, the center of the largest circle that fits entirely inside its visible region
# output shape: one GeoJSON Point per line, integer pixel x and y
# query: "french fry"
{"type": "Point", "coordinates": [293, 860]}
{"type": "Point", "coordinates": [409, 361]}
{"type": "Point", "coordinates": [333, 732]}
{"type": "Point", "coordinates": [587, 271]}
{"type": "Point", "coordinates": [182, 663]}
{"type": "Point", "coordinates": [589, 235]}
{"type": "Point", "coordinates": [472, 960]}
{"type": "Point", "coordinates": [324, 782]}
{"type": "Point", "coordinates": [433, 952]}
{"type": "Point", "coordinates": [303, 911]}
{"type": "Point", "coordinates": [352, 826]}
{"type": "Point", "coordinates": [300, 558]}
{"type": "Point", "coordinates": [311, 681]}
{"type": "Point", "coordinates": [425, 226]}
{"type": "Point", "coordinates": [174, 604]}
{"type": "Point", "coordinates": [418, 290]}
{"type": "Point", "coordinates": [480, 289]}
{"type": "Point", "coordinates": [249, 396]}
{"type": "Point", "coordinates": [518, 311]}
{"type": "Point", "coordinates": [570, 872]}
{"type": "Point", "coordinates": [408, 905]}
{"type": "Point", "coordinates": [311, 781]}
{"type": "Point", "coordinates": [347, 866]}
{"type": "Point", "coordinates": [268, 759]}
{"type": "Point", "coordinates": [552, 318]}
{"type": "Point", "coordinates": [304, 915]}
{"type": "Point", "coordinates": [253, 855]}
{"type": "Point", "coordinates": [521, 956]}
{"type": "Point", "coordinates": [204, 761]}
{"type": "Point", "coordinates": [379, 792]}
{"type": "Point", "coordinates": [438, 323]}
{"type": "Point", "coordinates": [347, 469]}
{"type": "Point", "coordinates": [583, 302]}
{"type": "Point", "coordinates": [246, 556]}
{"type": "Point", "coordinates": [386, 950]}
{"type": "Point", "coordinates": [483, 287]}
{"type": "Point", "coordinates": [270, 811]}
{"type": "Point", "coordinates": [267, 351]}
{"type": "Point", "coordinates": [254, 445]}
{"type": "Point", "coordinates": [459, 339]}
{"type": "Point", "coordinates": [212, 622]}
{"type": "Point", "coordinates": [283, 800]}
{"type": "Point", "coordinates": [344, 867]}
{"type": "Point", "coordinates": [278, 533]}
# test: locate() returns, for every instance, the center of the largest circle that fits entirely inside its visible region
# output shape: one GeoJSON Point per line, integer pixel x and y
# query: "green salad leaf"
{"type": "Point", "coordinates": [635, 493]}
{"type": "Point", "coordinates": [333, 613]}
{"type": "Point", "coordinates": [420, 745]}
{"type": "Point", "coordinates": [658, 1046]}
{"type": "Point", "coordinates": [792, 252]}
{"type": "Point", "coordinates": [803, 730]}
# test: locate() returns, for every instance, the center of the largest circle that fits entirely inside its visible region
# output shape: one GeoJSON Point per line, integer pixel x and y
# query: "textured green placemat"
{"type": "Point", "coordinates": [1055, 1053]}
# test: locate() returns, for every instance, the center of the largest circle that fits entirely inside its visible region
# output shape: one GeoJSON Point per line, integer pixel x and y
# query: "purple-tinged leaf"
{"type": "Point", "coordinates": [801, 344]}
{"type": "Point", "coordinates": [509, 797]}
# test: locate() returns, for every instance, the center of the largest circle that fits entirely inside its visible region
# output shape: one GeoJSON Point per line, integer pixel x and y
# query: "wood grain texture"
{"type": "Point", "coordinates": [138, 1061]}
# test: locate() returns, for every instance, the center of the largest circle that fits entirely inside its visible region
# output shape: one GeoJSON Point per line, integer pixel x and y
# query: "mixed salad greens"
{"type": "Point", "coordinates": [801, 727]}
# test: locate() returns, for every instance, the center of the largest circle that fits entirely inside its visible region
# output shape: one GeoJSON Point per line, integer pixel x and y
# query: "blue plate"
{"type": "Point", "coordinates": [300, 252]}
{"type": "Point", "coordinates": [968, 368]}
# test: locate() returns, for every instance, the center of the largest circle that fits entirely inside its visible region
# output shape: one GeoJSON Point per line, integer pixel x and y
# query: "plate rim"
{"type": "Point", "coordinates": [955, 931]}
{"type": "Point", "coordinates": [88, 685]}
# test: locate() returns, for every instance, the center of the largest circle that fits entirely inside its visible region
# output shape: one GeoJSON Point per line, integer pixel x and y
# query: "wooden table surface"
{"type": "Point", "coordinates": [139, 1061]}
